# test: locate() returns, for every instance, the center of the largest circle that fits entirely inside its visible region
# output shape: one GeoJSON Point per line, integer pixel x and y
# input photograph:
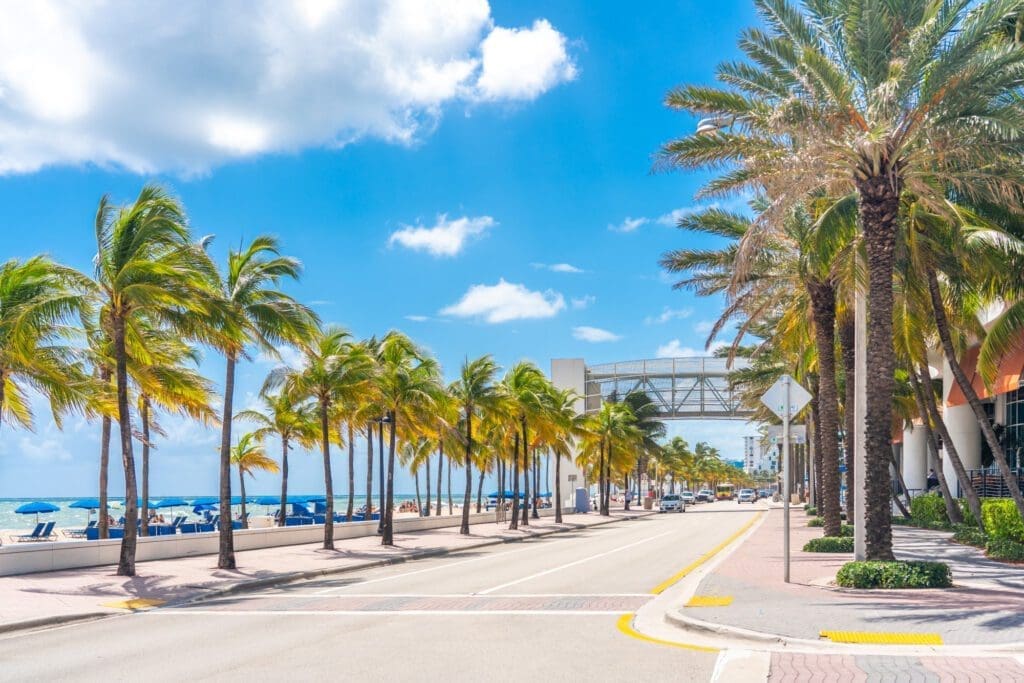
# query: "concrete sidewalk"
{"type": "Point", "coordinates": [34, 600]}
{"type": "Point", "coordinates": [986, 606]}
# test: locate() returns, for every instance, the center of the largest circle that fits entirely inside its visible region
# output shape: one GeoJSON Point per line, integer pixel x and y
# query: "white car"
{"type": "Point", "coordinates": [671, 502]}
{"type": "Point", "coordinates": [746, 496]}
{"type": "Point", "coordinates": [688, 497]}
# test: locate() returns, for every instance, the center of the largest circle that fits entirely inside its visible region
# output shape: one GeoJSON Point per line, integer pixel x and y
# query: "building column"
{"type": "Point", "coordinates": [915, 459]}
{"type": "Point", "coordinates": [569, 373]}
{"type": "Point", "coordinates": [963, 430]}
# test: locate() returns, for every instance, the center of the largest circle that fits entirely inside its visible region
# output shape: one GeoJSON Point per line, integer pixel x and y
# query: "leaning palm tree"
{"type": "Point", "coordinates": [334, 370]}
{"type": "Point", "coordinates": [475, 392]}
{"type": "Point", "coordinates": [250, 310]}
{"type": "Point", "coordinates": [293, 422]}
{"type": "Point", "coordinates": [249, 456]}
{"type": "Point", "coordinates": [147, 268]}
{"type": "Point", "coordinates": [879, 99]}
{"type": "Point", "coordinates": [524, 387]}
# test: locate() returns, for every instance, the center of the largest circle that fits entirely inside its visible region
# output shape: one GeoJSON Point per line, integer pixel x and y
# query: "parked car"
{"type": "Point", "coordinates": [671, 502]}
{"type": "Point", "coordinates": [746, 496]}
{"type": "Point", "coordinates": [705, 496]}
{"type": "Point", "coordinates": [764, 493]}
{"type": "Point", "coordinates": [688, 497]}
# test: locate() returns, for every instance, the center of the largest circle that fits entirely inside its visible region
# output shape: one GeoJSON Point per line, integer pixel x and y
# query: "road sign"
{"type": "Point", "coordinates": [797, 434]}
{"type": "Point", "coordinates": [775, 398]}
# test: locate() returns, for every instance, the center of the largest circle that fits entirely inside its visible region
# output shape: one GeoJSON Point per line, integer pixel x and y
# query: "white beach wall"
{"type": "Point", "coordinates": [28, 558]}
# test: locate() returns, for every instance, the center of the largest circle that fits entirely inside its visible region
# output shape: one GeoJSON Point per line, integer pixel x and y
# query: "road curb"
{"type": "Point", "coordinates": [251, 585]}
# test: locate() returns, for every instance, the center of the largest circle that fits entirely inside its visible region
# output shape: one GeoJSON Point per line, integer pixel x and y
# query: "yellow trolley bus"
{"type": "Point", "coordinates": [725, 492]}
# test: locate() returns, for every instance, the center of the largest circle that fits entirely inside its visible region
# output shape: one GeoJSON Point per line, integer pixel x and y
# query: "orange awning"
{"type": "Point", "coordinates": [1011, 367]}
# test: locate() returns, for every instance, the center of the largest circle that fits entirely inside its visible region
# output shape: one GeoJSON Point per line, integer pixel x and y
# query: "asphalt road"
{"type": "Point", "coordinates": [544, 609]}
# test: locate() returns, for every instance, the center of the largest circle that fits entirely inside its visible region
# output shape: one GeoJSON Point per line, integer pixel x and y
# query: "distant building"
{"type": "Point", "coordinates": [758, 456]}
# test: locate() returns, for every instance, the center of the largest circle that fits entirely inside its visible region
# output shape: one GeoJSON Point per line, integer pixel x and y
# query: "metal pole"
{"type": "Point", "coordinates": [859, 426]}
{"type": "Point", "coordinates": [785, 479]}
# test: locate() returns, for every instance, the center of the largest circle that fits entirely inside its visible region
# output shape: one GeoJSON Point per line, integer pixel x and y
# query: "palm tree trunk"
{"type": "Point", "coordinates": [823, 304]}
{"type": "Point", "coordinates": [942, 324]}
{"type": "Point", "coordinates": [419, 501]}
{"type": "Point", "coordinates": [325, 438]}
{"type": "Point", "coordinates": [389, 504]}
{"type": "Point", "coordinates": [351, 472]}
{"type": "Point", "coordinates": [440, 473]}
{"type": "Point", "coordinates": [924, 395]}
{"type": "Point", "coordinates": [608, 482]}
{"type": "Point", "coordinates": [903, 487]}
{"type": "Point", "coordinates": [241, 492]}
{"type": "Point", "coordinates": [380, 466]}
{"type": "Point", "coordinates": [126, 562]}
{"type": "Point", "coordinates": [480, 491]}
{"type": "Point", "coordinates": [536, 484]}
{"type": "Point", "coordinates": [104, 512]}
{"type": "Point", "coordinates": [464, 528]}
{"type": "Point", "coordinates": [369, 471]}
{"type": "Point", "coordinates": [226, 549]}
{"type": "Point", "coordinates": [144, 419]}
{"type": "Point", "coordinates": [426, 510]}
{"type": "Point", "coordinates": [879, 197]}
{"type": "Point", "coordinates": [284, 481]}
{"type": "Point", "coordinates": [812, 427]}
{"type": "Point", "coordinates": [558, 488]}
{"type": "Point", "coordinates": [526, 475]}
{"type": "Point", "coordinates": [847, 345]}
{"type": "Point", "coordinates": [514, 524]}
{"type": "Point", "coordinates": [451, 506]}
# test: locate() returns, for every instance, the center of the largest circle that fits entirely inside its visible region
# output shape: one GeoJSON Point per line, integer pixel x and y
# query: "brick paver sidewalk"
{"type": "Point", "coordinates": [805, 668]}
{"type": "Point", "coordinates": [986, 607]}
{"type": "Point", "coordinates": [56, 595]}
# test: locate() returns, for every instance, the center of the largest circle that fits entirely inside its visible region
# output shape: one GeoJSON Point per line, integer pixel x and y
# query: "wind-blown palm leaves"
{"type": "Point", "coordinates": [524, 387]}
{"type": "Point", "coordinates": [475, 392]}
{"type": "Point", "coordinates": [876, 98]}
{"type": "Point", "coordinates": [147, 269]}
{"type": "Point", "coordinates": [250, 310]}
{"type": "Point", "coordinates": [249, 456]}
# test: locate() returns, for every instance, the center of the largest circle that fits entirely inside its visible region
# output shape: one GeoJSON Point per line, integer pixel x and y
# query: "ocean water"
{"type": "Point", "coordinates": [73, 518]}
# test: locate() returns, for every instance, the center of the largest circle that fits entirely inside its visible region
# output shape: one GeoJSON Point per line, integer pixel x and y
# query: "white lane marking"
{"type": "Point", "coordinates": [574, 563]}
{"type": "Point", "coordinates": [388, 613]}
{"type": "Point", "coordinates": [742, 665]}
{"type": "Point", "coordinates": [285, 596]}
{"type": "Point", "coordinates": [445, 565]}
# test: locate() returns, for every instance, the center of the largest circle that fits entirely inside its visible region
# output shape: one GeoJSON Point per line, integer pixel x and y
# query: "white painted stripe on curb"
{"type": "Point", "coordinates": [285, 596]}
{"type": "Point", "coordinates": [742, 666]}
{"type": "Point", "coordinates": [387, 613]}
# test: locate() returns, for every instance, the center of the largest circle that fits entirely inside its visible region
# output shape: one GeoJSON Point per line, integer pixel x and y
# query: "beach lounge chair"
{"type": "Point", "coordinates": [319, 519]}
{"type": "Point", "coordinates": [79, 533]}
{"type": "Point", "coordinates": [34, 536]}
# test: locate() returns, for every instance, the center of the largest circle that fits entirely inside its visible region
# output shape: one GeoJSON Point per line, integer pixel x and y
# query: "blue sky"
{"type": "Point", "coordinates": [443, 174]}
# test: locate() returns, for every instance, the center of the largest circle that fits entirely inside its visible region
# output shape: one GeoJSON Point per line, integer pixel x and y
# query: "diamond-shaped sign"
{"type": "Point", "coordinates": [775, 398]}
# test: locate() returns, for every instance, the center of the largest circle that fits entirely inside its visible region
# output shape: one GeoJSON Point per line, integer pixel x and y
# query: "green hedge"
{"type": "Point", "coordinates": [894, 575]}
{"type": "Point", "coordinates": [966, 514]}
{"type": "Point", "coordinates": [970, 535]}
{"type": "Point", "coordinates": [1005, 549]}
{"type": "Point", "coordinates": [846, 530]}
{"type": "Point", "coordinates": [902, 521]}
{"type": "Point", "coordinates": [929, 510]}
{"type": "Point", "coordinates": [830, 544]}
{"type": "Point", "coordinates": [816, 521]}
{"type": "Point", "coordinates": [811, 511]}
{"type": "Point", "coordinates": [1002, 520]}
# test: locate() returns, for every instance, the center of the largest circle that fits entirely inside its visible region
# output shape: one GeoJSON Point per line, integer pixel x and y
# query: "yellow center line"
{"type": "Point", "coordinates": [679, 576]}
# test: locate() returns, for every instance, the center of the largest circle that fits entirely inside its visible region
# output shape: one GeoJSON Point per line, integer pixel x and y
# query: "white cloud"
{"type": "Point", "coordinates": [675, 349]}
{"type": "Point", "coordinates": [287, 355]}
{"type": "Point", "coordinates": [157, 89]}
{"type": "Point", "coordinates": [558, 267]}
{"type": "Point", "coordinates": [671, 218]}
{"type": "Point", "coordinates": [417, 318]}
{"type": "Point", "coordinates": [506, 301]}
{"type": "Point", "coordinates": [446, 238]}
{"type": "Point", "coordinates": [628, 224]}
{"type": "Point", "coordinates": [522, 63]}
{"type": "Point", "coordinates": [583, 302]}
{"type": "Point", "coordinates": [594, 334]}
{"type": "Point", "coordinates": [704, 326]}
{"type": "Point", "coordinates": [668, 314]}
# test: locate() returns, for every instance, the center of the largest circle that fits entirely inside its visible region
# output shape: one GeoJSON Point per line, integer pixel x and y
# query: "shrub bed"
{"type": "Point", "coordinates": [902, 521]}
{"type": "Point", "coordinates": [894, 575]}
{"type": "Point", "coordinates": [970, 535]}
{"type": "Point", "coordinates": [929, 510]}
{"type": "Point", "coordinates": [1002, 521]}
{"type": "Point", "coordinates": [816, 521]}
{"type": "Point", "coordinates": [846, 530]}
{"type": "Point", "coordinates": [1005, 549]}
{"type": "Point", "coordinates": [830, 544]}
{"type": "Point", "coordinates": [811, 511]}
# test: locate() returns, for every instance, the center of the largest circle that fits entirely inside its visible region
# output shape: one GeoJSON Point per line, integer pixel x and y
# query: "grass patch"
{"type": "Point", "coordinates": [830, 544]}
{"type": "Point", "coordinates": [894, 575]}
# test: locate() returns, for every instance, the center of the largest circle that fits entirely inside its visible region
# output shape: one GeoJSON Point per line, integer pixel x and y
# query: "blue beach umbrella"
{"type": "Point", "coordinates": [206, 500]}
{"type": "Point", "coordinates": [171, 503]}
{"type": "Point", "coordinates": [36, 508]}
{"type": "Point", "coordinates": [495, 494]}
{"type": "Point", "coordinates": [314, 499]}
{"type": "Point", "coordinates": [267, 500]}
{"type": "Point", "coordinates": [89, 504]}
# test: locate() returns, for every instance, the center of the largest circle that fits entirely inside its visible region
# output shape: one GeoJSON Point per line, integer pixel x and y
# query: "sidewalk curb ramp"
{"type": "Point", "coordinates": [291, 577]}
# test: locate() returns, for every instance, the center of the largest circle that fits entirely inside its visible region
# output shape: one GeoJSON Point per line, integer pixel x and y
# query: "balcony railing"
{"type": "Point", "coordinates": [989, 483]}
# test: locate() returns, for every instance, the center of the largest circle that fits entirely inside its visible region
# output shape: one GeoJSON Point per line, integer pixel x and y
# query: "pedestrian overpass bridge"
{"type": "Point", "coordinates": [681, 388]}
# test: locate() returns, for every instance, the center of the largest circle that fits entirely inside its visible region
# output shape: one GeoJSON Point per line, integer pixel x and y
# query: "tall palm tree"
{"type": "Point", "coordinates": [475, 391]}
{"type": "Point", "coordinates": [561, 427]}
{"type": "Point", "coordinates": [249, 456]}
{"type": "Point", "coordinates": [524, 387]}
{"type": "Point", "coordinates": [293, 422]}
{"type": "Point", "coordinates": [335, 370]}
{"type": "Point", "coordinates": [147, 268]}
{"type": "Point", "coordinates": [407, 383]}
{"type": "Point", "coordinates": [878, 99]}
{"type": "Point", "coordinates": [251, 310]}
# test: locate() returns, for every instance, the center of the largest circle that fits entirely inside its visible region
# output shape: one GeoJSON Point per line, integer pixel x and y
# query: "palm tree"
{"type": "Point", "coordinates": [147, 268]}
{"type": "Point", "coordinates": [250, 310]}
{"type": "Point", "coordinates": [475, 391]}
{"type": "Point", "coordinates": [334, 371]}
{"type": "Point", "coordinates": [249, 456]}
{"type": "Point", "coordinates": [611, 433]}
{"type": "Point", "coordinates": [407, 384]}
{"type": "Point", "coordinates": [877, 99]}
{"type": "Point", "coordinates": [293, 422]}
{"type": "Point", "coordinates": [524, 387]}
{"type": "Point", "coordinates": [561, 426]}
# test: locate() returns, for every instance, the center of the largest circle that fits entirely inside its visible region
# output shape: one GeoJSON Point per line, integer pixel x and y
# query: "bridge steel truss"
{"type": "Point", "coordinates": [681, 387]}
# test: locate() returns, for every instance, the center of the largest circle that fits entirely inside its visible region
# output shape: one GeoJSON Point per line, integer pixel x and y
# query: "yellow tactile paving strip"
{"type": "Point", "coordinates": [136, 603]}
{"type": "Point", "coordinates": [882, 638]}
{"type": "Point", "coordinates": [710, 601]}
